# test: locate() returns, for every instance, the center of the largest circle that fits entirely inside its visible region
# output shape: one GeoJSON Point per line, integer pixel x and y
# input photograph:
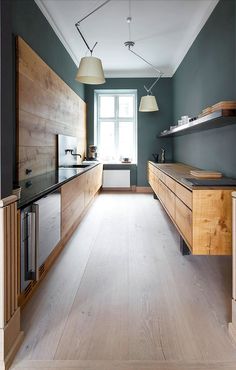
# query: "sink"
{"type": "Point", "coordinates": [77, 166]}
{"type": "Point", "coordinates": [80, 165]}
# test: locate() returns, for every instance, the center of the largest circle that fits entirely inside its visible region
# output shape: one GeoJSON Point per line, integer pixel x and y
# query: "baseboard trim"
{"type": "Point", "coordinates": [15, 347]}
{"type": "Point", "coordinates": [117, 189]}
{"type": "Point", "coordinates": [123, 365]}
{"type": "Point", "coordinates": [133, 188]}
{"type": "Point", "coordinates": [11, 339]}
{"type": "Point", "coordinates": [144, 189]}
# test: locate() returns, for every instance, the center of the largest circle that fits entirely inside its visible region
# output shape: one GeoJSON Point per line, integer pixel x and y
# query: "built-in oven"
{"type": "Point", "coordinates": [40, 233]}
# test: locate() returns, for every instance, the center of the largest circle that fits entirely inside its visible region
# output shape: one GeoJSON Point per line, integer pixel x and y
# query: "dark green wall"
{"type": "Point", "coordinates": [6, 101]}
{"type": "Point", "coordinates": [23, 18]}
{"type": "Point", "coordinates": [149, 124]}
{"type": "Point", "coordinates": [206, 76]}
{"type": "Point", "coordinates": [29, 23]}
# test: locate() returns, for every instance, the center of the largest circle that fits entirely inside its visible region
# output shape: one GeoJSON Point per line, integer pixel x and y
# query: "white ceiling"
{"type": "Point", "coordinates": [163, 31]}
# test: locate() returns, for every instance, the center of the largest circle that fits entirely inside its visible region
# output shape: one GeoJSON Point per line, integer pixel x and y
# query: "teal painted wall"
{"type": "Point", "coordinates": [6, 101]}
{"type": "Point", "coordinates": [149, 124]}
{"type": "Point", "coordinates": [29, 23]}
{"type": "Point", "coordinates": [208, 75]}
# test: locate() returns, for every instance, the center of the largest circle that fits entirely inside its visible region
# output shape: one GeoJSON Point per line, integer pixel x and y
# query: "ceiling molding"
{"type": "Point", "coordinates": [52, 23]}
{"type": "Point", "coordinates": [194, 35]}
{"type": "Point", "coordinates": [134, 74]}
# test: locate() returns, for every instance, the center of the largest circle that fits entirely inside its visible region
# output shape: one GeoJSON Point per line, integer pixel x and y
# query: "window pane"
{"type": "Point", "coordinates": [107, 141]}
{"type": "Point", "coordinates": [126, 106]}
{"type": "Point", "coordinates": [126, 140]}
{"type": "Point", "coordinates": [107, 106]}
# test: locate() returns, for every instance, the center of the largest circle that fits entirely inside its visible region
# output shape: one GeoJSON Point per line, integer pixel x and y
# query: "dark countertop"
{"type": "Point", "coordinates": [181, 173]}
{"type": "Point", "coordinates": [37, 187]}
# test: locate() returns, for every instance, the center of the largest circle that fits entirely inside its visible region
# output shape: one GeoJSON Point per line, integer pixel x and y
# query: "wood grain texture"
{"type": "Point", "coordinates": [203, 215]}
{"type": "Point", "coordinates": [184, 194]}
{"type": "Point", "coordinates": [76, 195]}
{"type": "Point", "coordinates": [124, 365]}
{"type": "Point", "coordinates": [9, 262]}
{"type": "Point", "coordinates": [46, 106]}
{"type": "Point", "coordinates": [183, 218]}
{"type": "Point", "coordinates": [72, 202]}
{"type": "Point", "coordinates": [212, 221]}
{"type": "Point", "coordinates": [10, 334]}
{"type": "Point", "coordinates": [122, 297]}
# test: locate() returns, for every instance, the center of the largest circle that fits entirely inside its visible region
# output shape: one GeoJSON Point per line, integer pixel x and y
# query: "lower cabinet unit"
{"type": "Point", "coordinates": [76, 196]}
{"type": "Point", "coordinates": [202, 215]}
{"type": "Point", "coordinates": [183, 219]}
{"type": "Point", "coordinates": [72, 202]}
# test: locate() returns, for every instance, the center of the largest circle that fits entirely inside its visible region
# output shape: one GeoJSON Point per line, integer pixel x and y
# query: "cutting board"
{"type": "Point", "coordinates": [206, 174]}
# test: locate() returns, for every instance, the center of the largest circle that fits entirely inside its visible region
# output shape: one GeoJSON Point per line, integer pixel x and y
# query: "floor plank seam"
{"type": "Point", "coordinates": [93, 243]}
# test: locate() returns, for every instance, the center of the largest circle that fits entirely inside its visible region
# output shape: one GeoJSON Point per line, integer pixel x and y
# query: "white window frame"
{"type": "Point", "coordinates": [116, 93]}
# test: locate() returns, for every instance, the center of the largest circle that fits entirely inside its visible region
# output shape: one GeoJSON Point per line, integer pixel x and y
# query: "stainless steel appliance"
{"type": "Point", "coordinates": [40, 233]}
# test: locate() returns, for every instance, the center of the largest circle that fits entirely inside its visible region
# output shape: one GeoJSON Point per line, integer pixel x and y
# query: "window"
{"type": "Point", "coordinates": [115, 125]}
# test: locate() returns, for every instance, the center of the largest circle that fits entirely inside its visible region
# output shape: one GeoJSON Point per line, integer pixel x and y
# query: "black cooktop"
{"type": "Point", "coordinates": [224, 181]}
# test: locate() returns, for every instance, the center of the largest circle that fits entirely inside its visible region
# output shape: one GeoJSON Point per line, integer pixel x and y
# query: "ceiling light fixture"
{"type": "Point", "coordinates": [90, 69]}
{"type": "Point", "coordinates": [148, 103]}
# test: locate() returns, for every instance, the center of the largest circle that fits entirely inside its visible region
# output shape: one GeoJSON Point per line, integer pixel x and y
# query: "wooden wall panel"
{"type": "Point", "coordinates": [46, 106]}
{"type": "Point", "coordinates": [8, 259]}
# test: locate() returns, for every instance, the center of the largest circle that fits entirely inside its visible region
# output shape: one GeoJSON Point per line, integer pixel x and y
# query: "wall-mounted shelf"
{"type": "Point", "coordinates": [216, 119]}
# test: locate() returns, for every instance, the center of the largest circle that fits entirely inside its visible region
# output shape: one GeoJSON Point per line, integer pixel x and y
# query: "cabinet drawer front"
{"type": "Point", "coordinates": [72, 200]}
{"type": "Point", "coordinates": [170, 183]}
{"type": "Point", "coordinates": [183, 219]}
{"type": "Point", "coordinates": [161, 176]}
{"type": "Point", "coordinates": [162, 191]}
{"type": "Point", "coordinates": [152, 168]}
{"type": "Point", "coordinates": [170, 202]}
{"type": "Point", "coordinates": [184, 194]}
{"type": "Point", "coordinates": [155, 186]}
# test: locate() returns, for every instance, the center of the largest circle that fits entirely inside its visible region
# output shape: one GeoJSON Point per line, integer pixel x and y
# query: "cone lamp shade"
{"type": "Point", "coordinates": [90, 71]}
{"type": "Point", "coordinates": [148, 103]}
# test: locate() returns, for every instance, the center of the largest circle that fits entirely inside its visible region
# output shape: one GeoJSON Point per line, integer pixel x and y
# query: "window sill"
{"type": "Point", "coordinates": [119, 163]}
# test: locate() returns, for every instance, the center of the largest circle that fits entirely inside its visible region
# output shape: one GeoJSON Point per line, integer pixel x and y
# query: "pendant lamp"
{"type": "Point", "coordinates": [148, 103]}
{"type": "Point", "coordinates": [90, 69]}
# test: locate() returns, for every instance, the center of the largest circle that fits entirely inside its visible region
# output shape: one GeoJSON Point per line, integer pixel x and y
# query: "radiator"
{"type": "Point", "coordinates": [116, 179]}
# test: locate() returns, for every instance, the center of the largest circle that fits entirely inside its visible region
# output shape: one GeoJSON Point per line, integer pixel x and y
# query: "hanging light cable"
{"type": "Point", "coordinates": [148, 103]}
{"type": "Point", "coordinates": [90, 69]}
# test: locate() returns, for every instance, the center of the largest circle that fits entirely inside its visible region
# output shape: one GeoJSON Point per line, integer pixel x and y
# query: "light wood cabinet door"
{"type": "Point", "coordinates": [72, 202]}
{"type": "Point", "coordinates": [162, 192]}
{"type": "Point", "coordinates": [183, 219]}
{"type": "Point", "coordinates": [212, 221]}
{"type": "Point", "coordinates": [184, 194]}
{"type": "Point", "coordinates": [170, 183]}
{"type": "Point", "coordinates": [170, 202]}
{"type": "Point", "coordinates": [77, 194]}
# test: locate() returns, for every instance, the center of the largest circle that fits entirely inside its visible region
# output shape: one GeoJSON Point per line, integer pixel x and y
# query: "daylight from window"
{"type": "Point", "coordinates": [115, 126]}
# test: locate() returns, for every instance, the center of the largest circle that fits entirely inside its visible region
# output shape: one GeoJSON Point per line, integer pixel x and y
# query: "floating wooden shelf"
{"type": "Point", "coordinates": [216, 119]}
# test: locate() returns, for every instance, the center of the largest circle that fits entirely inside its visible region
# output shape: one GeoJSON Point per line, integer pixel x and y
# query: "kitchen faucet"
{"type": "Point", "coordinates": [71, 152]}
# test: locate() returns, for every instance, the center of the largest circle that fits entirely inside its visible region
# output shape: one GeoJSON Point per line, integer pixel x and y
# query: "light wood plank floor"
{"type": "Point", "coordinates": [121, 296]}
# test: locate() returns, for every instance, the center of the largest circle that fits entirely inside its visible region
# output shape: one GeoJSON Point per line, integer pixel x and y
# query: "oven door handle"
{"type": "Point", "coordinates": [35, 210]}
{"type": "Point", "coordinates": [31, 241]}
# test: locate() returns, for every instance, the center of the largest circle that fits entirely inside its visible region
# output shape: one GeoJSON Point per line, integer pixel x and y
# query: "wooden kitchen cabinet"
{"type": "Point", "coordinates": [202, 215]}
{"type": "Point", "coordinates": [76, 196]}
